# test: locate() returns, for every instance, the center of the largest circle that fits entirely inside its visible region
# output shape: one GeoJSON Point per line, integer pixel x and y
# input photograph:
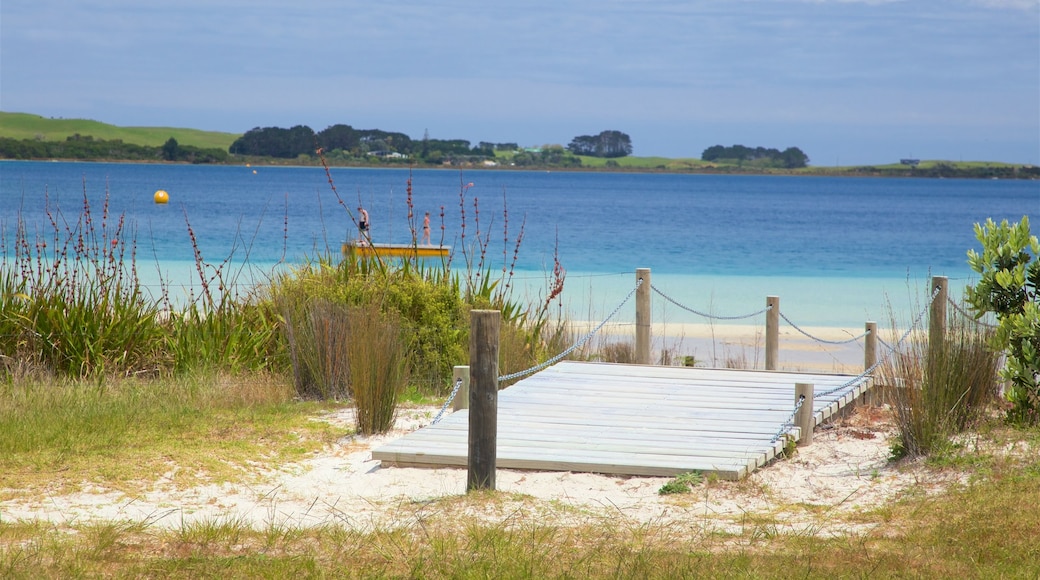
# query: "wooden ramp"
{"type": "Point", "coordinates": [632, 420]}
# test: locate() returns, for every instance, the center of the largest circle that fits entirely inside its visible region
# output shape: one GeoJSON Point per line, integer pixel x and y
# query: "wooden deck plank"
{"type": "Point", "coordinates": [632, 420]}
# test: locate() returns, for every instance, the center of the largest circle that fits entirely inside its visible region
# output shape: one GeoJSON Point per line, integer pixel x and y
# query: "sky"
{"type": "Point", "coordinates": [849, 82]}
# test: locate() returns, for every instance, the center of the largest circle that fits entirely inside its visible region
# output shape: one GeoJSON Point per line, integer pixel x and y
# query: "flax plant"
{"type": "Point", "coordinates": [72, 302]}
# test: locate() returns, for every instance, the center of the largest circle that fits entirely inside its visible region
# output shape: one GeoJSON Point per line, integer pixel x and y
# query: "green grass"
{"type": "Point", "coordinates": [28, 126]}
{"type": "Point", "coordinates": [633, 162]}
{"type": "Point", "coordinates": [985, 529]}
{"type": "Point", "coordinates": [56, 435]}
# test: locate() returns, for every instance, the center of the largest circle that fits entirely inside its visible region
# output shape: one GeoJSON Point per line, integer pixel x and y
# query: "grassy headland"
{"type": "Point", "coordinates": [28, 126]}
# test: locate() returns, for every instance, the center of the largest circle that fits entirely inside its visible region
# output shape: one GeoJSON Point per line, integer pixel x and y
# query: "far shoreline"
{"type": "Point", "coordinates": [949, 170]}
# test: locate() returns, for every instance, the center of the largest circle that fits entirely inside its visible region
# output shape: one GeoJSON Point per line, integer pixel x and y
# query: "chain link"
{"type": "Point", "coordinates": [817, 339]}
{"type": "Point", "coordinates": [856, 380]}
{"type": "Point", "coordinates": [967, 314]}
{"type": "Point", "coordinates": [577, 344]}
{"type": "Point", "coordinates": [704, 314]}
{"type": "Point", "coordinates": [788, 424]}
{"type": "Point", "coordinates": [451, 397]}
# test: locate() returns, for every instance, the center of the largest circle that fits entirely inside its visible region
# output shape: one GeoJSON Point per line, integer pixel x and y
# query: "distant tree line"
{"type": "Point", "coordinates": [546, 155]}
{"type": "Point", "coordinates": [86, 147]}
{"type": "Point", "coordinates": [607, 144]}
{"type": "Point", "coordinates": [345, 141]}
{"type": "Point", "coordinates": [790, 158]}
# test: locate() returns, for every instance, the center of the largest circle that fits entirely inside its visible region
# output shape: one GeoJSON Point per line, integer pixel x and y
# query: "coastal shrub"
{"type": "Point", "coordinates": [1008, 287]}
{"type": "Point", "coordinates": [941, 389]}
{"type": "Point", "coordinates": [425, 301]}
{"type": "Point", "coordinates": [433, 300]}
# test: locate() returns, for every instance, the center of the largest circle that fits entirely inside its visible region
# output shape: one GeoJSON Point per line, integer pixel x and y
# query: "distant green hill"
{"type": "Point", "coordinates": [28, 126]}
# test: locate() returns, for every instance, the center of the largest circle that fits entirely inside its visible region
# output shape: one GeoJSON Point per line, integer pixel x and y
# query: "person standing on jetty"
{"type": "Point", "coordinates": [426, 229]}
{"type": "Point", "coordinates": [363, 226]}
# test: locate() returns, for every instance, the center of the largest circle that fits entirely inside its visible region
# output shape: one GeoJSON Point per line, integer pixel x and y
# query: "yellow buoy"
{"type": "Point", "coordinates": [161, 196]}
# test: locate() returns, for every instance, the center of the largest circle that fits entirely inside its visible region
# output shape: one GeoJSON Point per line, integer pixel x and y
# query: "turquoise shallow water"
{"type": "Point", "coordinates": [838, 251]}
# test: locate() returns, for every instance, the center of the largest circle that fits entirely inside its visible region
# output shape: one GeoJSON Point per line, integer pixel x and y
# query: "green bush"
{"type": "Point", "coordinates": [1010, 278]}
{"type": "Point", "coordinates": [425, 301]}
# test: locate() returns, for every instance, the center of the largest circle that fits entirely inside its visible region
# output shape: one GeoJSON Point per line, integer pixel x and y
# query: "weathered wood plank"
{"type": "Point", "coordinates": [633, 420]}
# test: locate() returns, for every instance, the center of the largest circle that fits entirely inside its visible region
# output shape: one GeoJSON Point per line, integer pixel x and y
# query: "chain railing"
{"type": "Point", "coordinates": [451, 397]}
{"type": "Point", "coordinates": [705, 314]}
{"type": "Point", "coordinates": [968, 315]}
{"type": "Point", "coordinates": [899, 344]}
{"type": "Point", "coordinates": [788, 423]}
{"type": "Point", "coordinates": [823, 340]}
{"type": "Point", "coordinates": [574, 346]}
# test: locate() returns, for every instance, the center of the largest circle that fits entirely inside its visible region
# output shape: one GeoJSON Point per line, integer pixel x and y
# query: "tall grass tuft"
{"type": "Point", "coordinates": [316, 333]}
{"type": "Point", "coordinates": [377, 351]}
{"type": "Point", "coordinates": [941, 389]}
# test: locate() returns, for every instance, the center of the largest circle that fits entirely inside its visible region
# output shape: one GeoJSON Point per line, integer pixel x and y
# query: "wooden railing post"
{"type": "Point", "coordinates": [462, 397]}
{"type": "Point", "coordinates": [804, 419]}
{"type": "Point", "coordinates": [643, 317]}
{"type": "Point", "coordinates": [870, 359]}
{"type": "Point", "coordinates": [772, 332]}
{"type": "Point", "coordinates": [937, 313]}
{"type": "Point", "coordinates": [483, 398]}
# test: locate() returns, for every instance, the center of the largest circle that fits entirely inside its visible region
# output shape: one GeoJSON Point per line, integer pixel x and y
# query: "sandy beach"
{"type": "Point", "coordinates": [743, 345]}
{"type": "Point", "coordinates": [845, 470]}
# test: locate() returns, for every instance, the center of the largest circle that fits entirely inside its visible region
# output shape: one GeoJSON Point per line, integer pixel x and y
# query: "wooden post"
{"type": "Point", "coordinates": [643, 317]}
{"type": "Point", "coordinates": [483, 398]}
{"type": "Point", "coordinates": [772, 332]}
{"type": "Point", "coordinates": [937, 314]}
{"type": "Point", "coordinates": [462, 397]}
{"type": "Point", "coordinates": [804, 419]}
{"type": "Point", "coordinates": [870, 359]}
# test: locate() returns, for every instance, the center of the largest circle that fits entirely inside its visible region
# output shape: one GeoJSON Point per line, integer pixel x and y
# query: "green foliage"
{"type": "Point", "coordinates": [1008, 287]}
{"type": "Point", "coordinates": [236, 334]}
{"type": "Point", "coordinates": [86, 147]}
{"type": "Point", "coordinates": [608, 144]}
{"type": "Point", "coordinates": [71, 303]}
{"type": "Point", "coordinates": [682, 483]}
{"type": "Point", "coordinates": [790, 158]}
{"type": "Point", "coordinates": [426, 301]}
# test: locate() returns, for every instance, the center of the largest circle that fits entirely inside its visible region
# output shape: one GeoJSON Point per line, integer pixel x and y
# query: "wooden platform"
{"type": "Point", "coordinates": [631, 420]}
{"type": "Point", "coordinates": [396, 250]}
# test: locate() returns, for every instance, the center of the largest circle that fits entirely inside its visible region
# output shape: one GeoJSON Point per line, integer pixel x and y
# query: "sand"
{"type": "Point", "coordinates": [844, 470]}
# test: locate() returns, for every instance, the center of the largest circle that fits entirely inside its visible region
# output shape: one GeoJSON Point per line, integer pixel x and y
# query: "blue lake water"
{"type": "Point", "coordinates": [837, 250]}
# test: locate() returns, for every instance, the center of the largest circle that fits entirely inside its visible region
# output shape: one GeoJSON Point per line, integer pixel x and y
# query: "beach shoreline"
{"type": "Point", "coordinates": [738, 345]}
